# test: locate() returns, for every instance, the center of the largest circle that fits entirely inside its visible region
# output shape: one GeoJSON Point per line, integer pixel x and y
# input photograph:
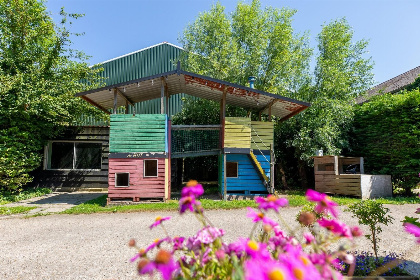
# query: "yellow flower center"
{"type": "Point", "coordinates": [158, 218]}
{"type": "Point", "coordinates": [271, 198]}
{"type": "Point", "coordinates": [192, 183]}
{"type": "Point", "coordinates": [305, 260]}
{"type": "Point", "coordinates": [156, 240]}
{"type": "Point", "coordinates": [298, 273]}
{"type": "Point", "coordinates": [253, 245]}
{"type": "Point", "coordinates": [276, 274]}
{"type": "Point", "coordinates": [261, 215]}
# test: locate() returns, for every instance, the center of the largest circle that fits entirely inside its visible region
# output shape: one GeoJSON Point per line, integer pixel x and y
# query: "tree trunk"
{"type": "Point", "coordinates": [302, 174]}
{"type": "Point", "coordinates": [283, 175]}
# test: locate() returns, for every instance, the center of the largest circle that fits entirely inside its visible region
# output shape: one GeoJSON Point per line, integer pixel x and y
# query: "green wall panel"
{"type": "Point", "coordinates": [137, 134]}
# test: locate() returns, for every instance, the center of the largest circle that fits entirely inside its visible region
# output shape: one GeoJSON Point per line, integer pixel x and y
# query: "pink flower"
{"type": "Point", "coordinates": [163, 262]}
{"type": "Point", "coordinates": [188, 203]}
{"type": "Point", "coordinates": [356, 231]}
{"type": "Point", "coordinates": [336, 227]}
{"type": "Point", "coordinates": [271, 202]}
{"type": "Point", "coordinates": [178, 243]}
{"type": "Point", "coordinates": [156, 243]}
{"type": "Point", "coordinates": [238, 247]}
{"type": "Point", "coordinates": [324, 203]}
{"type": "Point", "coordinates": [413, 229]}
{"type": "Point", "coordinates": [158, 221]}
{"type": "Point", "coordinates": [300, 266]}
{"type": "Point", "coordinates": [309, 238]}
{"type": "Point", "coordinates": [256, 217]}
{"type": "Point", "coordinates": [193, 188]}
{"type": "Point", "coordinates": [257, 269]}
{"type": "Point", "coordinates": [207, 235]}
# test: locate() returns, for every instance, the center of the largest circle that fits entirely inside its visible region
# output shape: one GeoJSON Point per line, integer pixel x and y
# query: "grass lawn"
{"type": "Point", "coordinates": [15, 210]}
{"type": "Point", "coordinates": [295, 198]}
{"type": "Point", "coordinates": [7, 197]}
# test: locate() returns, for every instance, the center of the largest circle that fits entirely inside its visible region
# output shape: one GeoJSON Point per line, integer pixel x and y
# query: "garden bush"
{"type": "Point", "coordinates": [387, 134]}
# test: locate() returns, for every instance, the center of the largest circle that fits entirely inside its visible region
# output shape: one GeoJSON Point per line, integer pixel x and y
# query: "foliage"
{"type": "Point", "coordinates": [372, 214]}
{"type": "Point", "coordinates": [15, 210]}
{"type": "Point", "coordinates": [253, 41]}
{"type": "Point", "coordinates": [39, 74]}
{"type": "Point", "coordinates": [13, 196]}
{"type": "Point", "coordinates": [366, 264]}
{"type": "Point", "coordinates": [387, 134]}
{"type": "Point", "coordinates": [268, 253]}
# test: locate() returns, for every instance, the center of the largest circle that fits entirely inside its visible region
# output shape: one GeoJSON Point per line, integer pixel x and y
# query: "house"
{"type": "Point", "coordinates": [135, 160]}
{"type": "Point", "coordinates": [393, 85]}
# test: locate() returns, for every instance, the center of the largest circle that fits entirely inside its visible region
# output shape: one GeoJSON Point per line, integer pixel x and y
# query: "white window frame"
{"type": "Point", "coordinates": [48, 154]}
{"type": "Point", "coordinates": [117, 173]}
{"type": "Point", "coordinates": [237, 169]}
{"type": "Point", "coordinates": [144, 168]}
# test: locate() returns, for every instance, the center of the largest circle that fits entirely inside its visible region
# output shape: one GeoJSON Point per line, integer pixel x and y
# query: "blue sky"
{"type": "Point", "coordinates": [117, 27]}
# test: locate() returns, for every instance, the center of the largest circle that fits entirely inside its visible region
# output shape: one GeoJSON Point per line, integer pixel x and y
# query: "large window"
{"type": "Point", "coordinates": [74, 155]}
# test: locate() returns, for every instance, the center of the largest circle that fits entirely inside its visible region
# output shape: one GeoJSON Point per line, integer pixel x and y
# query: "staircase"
{"type": "Point", "coordinates": [260, 171]}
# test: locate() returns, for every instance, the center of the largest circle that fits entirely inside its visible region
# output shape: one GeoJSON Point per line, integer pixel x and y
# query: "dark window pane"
{"type": "Point", "coordinates": [150, 168]}
{"type": "Point", "coordinates": [88, 155]}
{"type": "Point", "coordinates": [62, 155]}
{"type": "Point", "coordinates": [122, 179]}
{"type": "Point", "coordinates": [231, 169]}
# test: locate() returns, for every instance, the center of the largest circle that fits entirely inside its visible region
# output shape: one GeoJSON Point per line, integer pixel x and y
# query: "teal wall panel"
{"type": "Point", "coordinates": [139, 133]}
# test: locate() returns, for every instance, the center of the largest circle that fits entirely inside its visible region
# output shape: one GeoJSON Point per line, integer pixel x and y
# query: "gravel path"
{"type": "Point", "coordinates": [94, 246]}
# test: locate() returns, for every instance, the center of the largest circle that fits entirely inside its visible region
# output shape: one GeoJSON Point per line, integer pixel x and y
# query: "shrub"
{"type": "Point", "coordinates": [372, 214]}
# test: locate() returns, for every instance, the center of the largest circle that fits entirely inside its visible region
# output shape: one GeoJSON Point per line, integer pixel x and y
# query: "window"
{"type": "Point", "coordinates": [150, 168]}
{"type": "Point", "coordinates": [232, 169]}
{"type": "Point", "coordinates": [74, 155]}
{"type": "Point", "coordinates": [122, 180]}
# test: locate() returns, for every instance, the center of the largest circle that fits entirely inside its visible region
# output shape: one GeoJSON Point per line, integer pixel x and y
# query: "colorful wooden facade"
{"type": "Point", "coordinates": [247, 157]}
{"type": "Point", "coordinates": [139, 163]}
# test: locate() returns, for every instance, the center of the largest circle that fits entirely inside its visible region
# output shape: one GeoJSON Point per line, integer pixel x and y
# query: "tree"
{"type": "Point", "coordinates": [251, 42]}
{"type": "Point", "coordinates": [261, 42]}
{"type": "Point", "coordinates": [39, 74]}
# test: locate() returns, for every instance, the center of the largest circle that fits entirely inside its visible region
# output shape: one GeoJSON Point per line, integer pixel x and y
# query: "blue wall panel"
{"type": "Point", "coordinates": [248, 180]}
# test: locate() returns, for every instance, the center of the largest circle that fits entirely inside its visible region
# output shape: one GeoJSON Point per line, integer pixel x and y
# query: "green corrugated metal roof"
{"type": "Point", "coordinates": [146, 62]}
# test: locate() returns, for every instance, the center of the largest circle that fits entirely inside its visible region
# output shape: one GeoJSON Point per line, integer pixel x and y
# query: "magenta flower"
{"type": "Point", "coordinates": [336, 227]}
{"type": "Point", "coordinates": [256, 217]}
{"type": "Point", "coordinates": [188, 203]}
{"type": "Point", "coordinates": [257, 269]}
{"type": "Point", "coordinates": [324, 203]}
{"type": "Point", "coordinates": [238, 247]}
{"type": "Point", "coordinates": [156, 243]}
{"type": "Point", "coordinates": [271, 202]}
{"type": "Point", "coordinates": [309, 238]}
{"type": "Point", "coordinates": [164, 263]}
{"type": "Point", "coordinates": [178, 243]}
{"type": "Point", "coordinates": [193, 188]}
{"type": "Point", "coordinates": [413, 229]}
{"type": "Point", "coordinates": [158, 221]}
{"type": "Point", "coordinates": [300, 266]}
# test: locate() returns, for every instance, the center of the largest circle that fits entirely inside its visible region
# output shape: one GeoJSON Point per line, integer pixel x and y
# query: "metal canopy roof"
{"type": "Point", "coordinates": [179, 81]}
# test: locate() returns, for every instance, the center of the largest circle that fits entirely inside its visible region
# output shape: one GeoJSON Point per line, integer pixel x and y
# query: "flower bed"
{"type": "Point", "coordinates": [272, 251]}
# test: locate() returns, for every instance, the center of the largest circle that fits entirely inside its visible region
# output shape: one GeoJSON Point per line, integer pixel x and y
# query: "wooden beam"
{"type": "Point", "coordinates": [115, 101]}
{"type": "Point", "coordinates": [224, 178]}
{"type": "Point", "coordinates": [294, 113]}
{"type": "Point", "coordinates": [162, 95]}
{"type": "Point", "coordinates": [126, 107]}
{"type": "Point", "coordinates": [127, 100]}
{"type": "Point", "coordinates": [95, 104]}
{"type": "Point", "coordinates": [268, 106]}
{"type": "Point", "coordinates": [222, 117]}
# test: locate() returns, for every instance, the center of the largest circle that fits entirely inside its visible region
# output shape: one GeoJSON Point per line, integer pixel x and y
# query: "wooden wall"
{"type": "Point", "coordinates": [74, 180]}
{"type": "Point", "coordinates": [140, 186]}
{"type": "Point", "coordinates": [139, 133]}
{"type": "Point", "coordinates": [248, 181]}
{"type": "Point", "coordinates": [262, 134]}
{"type": "Point", "coordinates": [237, 133]}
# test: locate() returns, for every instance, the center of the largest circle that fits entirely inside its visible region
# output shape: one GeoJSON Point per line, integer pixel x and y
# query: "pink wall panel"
{"type": "Point", "coordinates": [140, 186]}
